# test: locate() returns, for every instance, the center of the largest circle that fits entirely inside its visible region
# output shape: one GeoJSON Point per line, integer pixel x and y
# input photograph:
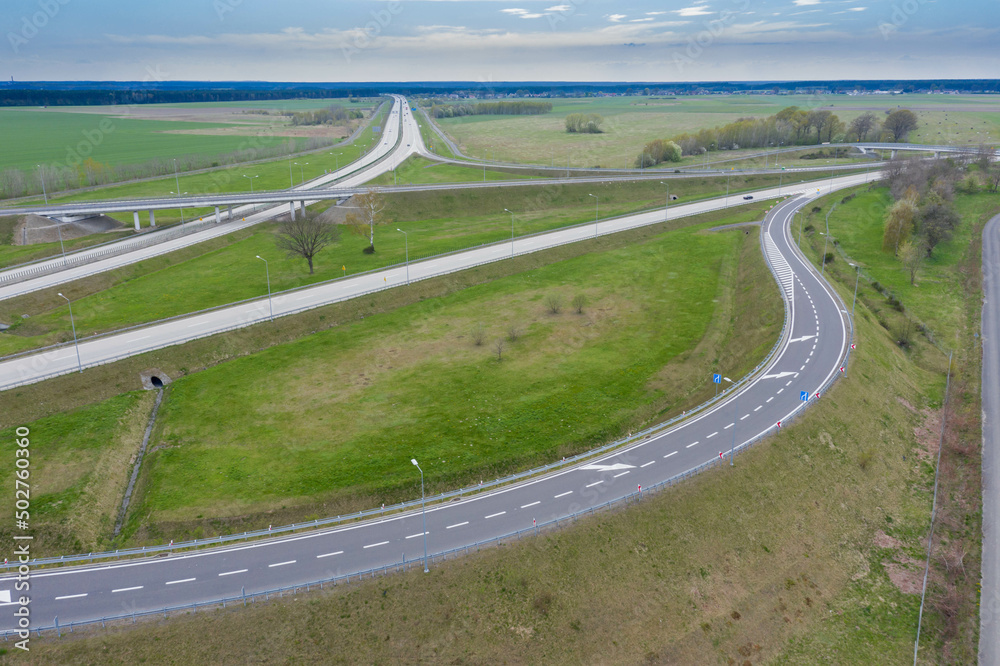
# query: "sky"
{"type": "Point", "coordinates": [499, 40]}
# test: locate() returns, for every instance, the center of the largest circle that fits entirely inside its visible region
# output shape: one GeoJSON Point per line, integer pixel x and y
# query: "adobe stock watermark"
{"type": "Point", "coordinates": [32, 24]}
{"type": "Point", "coordinates": [562, 12]}
{"type": "Point", "coordinates": [223, 7]}
{"type": "Point", "coordinates": [366, 34]}
{"type": "Point", "coordinates": [901, 13]}
{"type": "Point", "coordinates": [711, 31]}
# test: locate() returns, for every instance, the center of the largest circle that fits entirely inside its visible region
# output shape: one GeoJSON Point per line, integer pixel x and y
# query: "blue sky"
{"type": "Point", "coordinates": [499, 40]}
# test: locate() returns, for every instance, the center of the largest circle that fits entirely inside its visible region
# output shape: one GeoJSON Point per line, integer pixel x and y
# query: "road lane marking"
{"type": "Point", "coordinates": [139, 338]}
{"type": "Point", "coordinates": [712, 435]}
{"type": "Point", "coordinates": [281, 564]}
{"type": "Point", "coordinates": [71, 596]}
{"type": "Point", "coordinates": [745, 416]}
{"type": "Point", "coordinates": [779, 391]}
{"type": "Point", "coordinates": [127, 589]}
{"type": "Point", "coordinates": [183, 580]}
{"type": "Point", "coordinates": [647, 464]}
{"type": "Point", "coordinates": [595, 483]}
{"type": "Point", "coordinates": [758, 408]}
{"type": "Point", "coordinates": [230, 573]}
{"type": "Point", "coordinates": [568, 492]}
{"type": "Point", "coordinates": [494, 515]}
{"type": "Point", "coordinates": [339, 552]}
{"type": "Point", "coordinates": [770, 399]}
{"type": "Point", "coordinates": [791, 380]}
{"type": "Point", "coordinates": [622, 474]}
{"type": "Point", "coordinates": [201, 323]}
{"type": "Point", "coordinates": [455, 525]}
{"type": "Point", "coordinates": [532, 504]}
{"type": "Point", "coordinates": [418, 534]}
{"type": "Point", "coordinates": [728, 426]}
{"type": "Point", "coordinates": [373, 545]}
{"type": "Point", "coordinates": [673, 453]}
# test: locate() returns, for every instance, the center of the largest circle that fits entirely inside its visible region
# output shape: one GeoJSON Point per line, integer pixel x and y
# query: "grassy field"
{"type": "Point", "coordinates": [224, 271]}
{"type": "Point", "coordinates": [669, 368]}
{"type": "Point", "coordinates": [421, 170]}
{"type": "Point", "coordinates": [31, 138]}
{"type": "Point", "coordinates": [785, 559]}
{"type": "Point", "coordinates": [630, 122]}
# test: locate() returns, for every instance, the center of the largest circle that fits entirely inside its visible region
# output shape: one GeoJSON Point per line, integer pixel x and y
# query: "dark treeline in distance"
{"type": "Point", "coordinates": [331, 115]}
{"type": "Point", "coordinates": [502, 108]}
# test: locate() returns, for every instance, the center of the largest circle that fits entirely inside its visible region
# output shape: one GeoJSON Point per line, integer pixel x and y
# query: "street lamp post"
{"type": "Point", "coordinates": [597, 211]}
{"type": "Point", "coordinates": [423, 510]}
{"type": "Point", "coordinates": [406, 239]}
{"type": "Point", "coordinates": [337, 158]}
{"type": "Point", "coordinates": [179, 194]}
{"type": "Point", "coordinates": [291, 180]}
{"type": "Point", "coordinates": [826, 240]}
{"type": "Point", "coordinates": [666, 206]}
{"type": "Point", "coordinates": [267, 272]}
{"type": "Point", "coordinates": [728, 176]}
{"type": "Point", "coordinates": [856, 280]}
{"type": "Point", "coordinates": [79, 363]}
{"type": "Point", "coordinates": [250, 178]}
{"type": "Point", "coordinates": [302, 175]}
{"type": "Point", "coordinates": [61, 246]}
{"type": "Point", "coordinates": [511, 230]}
{"type": "Point", "coordinates": [41, 176]}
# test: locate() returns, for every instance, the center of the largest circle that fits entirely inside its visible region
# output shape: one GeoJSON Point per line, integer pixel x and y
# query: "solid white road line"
{"type": "Point", "coordinates": [532, 504]}
{"type": "Point", "coordinates": [455, 525]}
{"type": "Point", "coordinates": [568, 492]}
{"type": "Point", "coordinates": [127, 589]}
{"type": "Point", "coordinates": [183, 580]}
{"type": "Point", "coordinates": [230, 573]}
{"type": "Point", "coordinates": [595, 483]}
{"type": "Point", "coordinates": [71, 596]}
{"type": "Point", "coordinates": [373, 545]}
{"type": "Point", "coordinates": [339, 552]}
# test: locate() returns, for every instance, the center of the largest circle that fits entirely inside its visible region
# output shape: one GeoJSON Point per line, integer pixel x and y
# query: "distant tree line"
{"type": "Point", "coordinates": [88, 172]}
{"type": "Point", "coordinates": [514, 107]}
{"type": "Point", "coordinates": [331, 115]}
{"type": "Point", "coordinates": [95, 97]}
{"type": "Point", "coordinates": [790, 127]}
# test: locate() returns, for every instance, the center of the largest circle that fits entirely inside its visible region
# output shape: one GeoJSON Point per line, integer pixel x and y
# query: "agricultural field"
{"type": "Point", "coordinates": [631, 122]}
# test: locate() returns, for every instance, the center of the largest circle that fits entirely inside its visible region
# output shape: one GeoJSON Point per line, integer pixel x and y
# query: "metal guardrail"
{"type": "Point", "coordinates": [534, 530]}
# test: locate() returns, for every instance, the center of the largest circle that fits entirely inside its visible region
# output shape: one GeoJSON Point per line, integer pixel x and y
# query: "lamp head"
{"type": "Point", "coordinates": [414, 461]}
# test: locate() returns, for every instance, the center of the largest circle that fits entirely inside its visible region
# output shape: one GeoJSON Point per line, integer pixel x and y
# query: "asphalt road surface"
{"type": "Point", "coordinates": [29, 368]}
{"type": "Point", "coordinates": [811, 352]}
{"type": "Point", "coordinates": [989, 600]}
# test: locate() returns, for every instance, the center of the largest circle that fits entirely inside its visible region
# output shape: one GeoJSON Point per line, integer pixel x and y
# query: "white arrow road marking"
{"type": "Point", "coordinates": [4, 596]}
{"type": "Point", "coordinates": [803, 338]}
{"type": "Point", "coordinates": [780, 375]}
{"type": "Point", "coordinates": [607, 468]}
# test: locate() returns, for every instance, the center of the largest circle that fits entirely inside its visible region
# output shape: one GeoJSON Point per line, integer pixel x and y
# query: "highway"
{"type": "Point", "coordinates": [33, 367]}
{"type": "Point", "coordinates": [811, 352]}
{"type": "Point", "coordinates": [989, 612]}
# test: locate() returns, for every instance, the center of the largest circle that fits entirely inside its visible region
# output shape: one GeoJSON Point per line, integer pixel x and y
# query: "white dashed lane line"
{"type": "Point", "coordinates": [339, 552]}
{"type": "Point", "coordinates": [230, 573]}
{"type": "Point", "coordinates": [770, 399]}
{"type": "Point", "coordinates": [712, 435]}
{"type": "Point", "coordinates": [127, 589]}
{"type": "Point", "coordinates": [792, 380]}
{"type": "Point", "coordinates": [674, 453]}
{"type": "Point", "coordinates": [71, 596]}
{"type": "Point", "coordinates": [457, 525]}
{"type": "Point", "coordinates": [281, 564]}
{"type": "Point", "coordinates": [620, 474]}
{"type": "Point", "coordinates": [595, 483]}
{"type": "Point", "coordinates": [525, 506]}
{"type": "Point", "coordinates": [183, 580]}
{"type": "Point", "coordinates": [780, 390]}
{"type": "Point", "coordinates": [418, 534]}
{"type": "Point", "coordinates": [494, 515]}
{"type": "Point", "coordinates": [758, 408]}
{"type": "Point", "coordinates": [686, 447]}
{"type": "Point", "coordinates": [568, 492]}
{"type": "Point", "coordinates": [744, 416]}
{"type": "Point", "coordinates": [375, 545]}
{"type": "Point", "coordinates": [728, 426]}
{"type": "Point", "coordinates": [647, 464]}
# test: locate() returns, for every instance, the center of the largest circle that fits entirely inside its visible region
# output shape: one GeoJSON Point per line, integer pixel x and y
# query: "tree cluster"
{"type": "Point", "coordinates": [657, 152]}
{"type": "Point", "coordinates": [332, 115]}
{"type": "Point", "coordinates": [584, 123]}
{"type": "Point", "coordinates": [516, 107]}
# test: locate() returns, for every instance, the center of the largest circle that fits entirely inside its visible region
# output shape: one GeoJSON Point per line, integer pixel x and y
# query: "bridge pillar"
{"type": "Point", "coordinates": [302, 208]}
{"type": "Point", "coordinates": [291, 208]}
{"type": "Point", "coordinates": [892, 156]}
{"type": "Point", "coordinates": [229, 213]}
{"type": "Point", "coordinates": [152, 218]}
{"type": "Point", "coordinates": [217, 218]}
{"type": "Point", "coordinates": [937, 154]}
{"type": "Point", "coordinates": [135, 218]}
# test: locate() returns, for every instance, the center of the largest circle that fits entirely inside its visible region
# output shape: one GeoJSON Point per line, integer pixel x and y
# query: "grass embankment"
{"type": "Point", "coordinates": [419, 170]}
{"type": "Point", "coordinates": [224, 271]}
{"type": "Point", "coordinates": [782, 559]}
{"type": "Point", "coordinates": [511, 411]}
{"type": "Point", "coordinates": [942, 308]}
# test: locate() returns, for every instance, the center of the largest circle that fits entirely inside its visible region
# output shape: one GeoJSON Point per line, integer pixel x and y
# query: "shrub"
{"type": "Point", "coordinates": [554, 303]}
{"type": "Point", "coordinates": [578, 302]}
{"type": "Point", "coordinates": [478, 334]}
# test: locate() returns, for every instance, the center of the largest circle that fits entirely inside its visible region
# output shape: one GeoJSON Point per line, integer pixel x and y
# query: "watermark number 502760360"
{"type": "Point", "coordinates": [22, 541]}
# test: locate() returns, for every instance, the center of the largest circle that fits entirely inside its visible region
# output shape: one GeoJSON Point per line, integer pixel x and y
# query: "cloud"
{"type": "Point", "coordinates": [559, 8]}
{"type": "Point", "coordinates": [804, 3]}
{"type": "Point", "coordinates": [696, 10]}
{"type": "Point", "coordinates": [616, 18]}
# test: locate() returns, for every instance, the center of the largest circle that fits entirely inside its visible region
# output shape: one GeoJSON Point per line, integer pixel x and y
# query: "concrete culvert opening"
{"type": "Point", "coordinates": [156, 382]}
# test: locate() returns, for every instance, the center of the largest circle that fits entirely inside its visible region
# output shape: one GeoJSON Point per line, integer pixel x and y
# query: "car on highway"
{"type": "Point", "coordinates": [748, 197]}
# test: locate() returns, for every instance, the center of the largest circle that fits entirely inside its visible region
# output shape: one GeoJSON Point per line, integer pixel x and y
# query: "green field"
{"type": "Point", "coordinates": [225, 271]}
{"type": "Point", "coordinates": [421, 170]}
{"type": "Point", "coordinates": [630, 122]}
{"type": "Point", "coordinates": [30, 138]}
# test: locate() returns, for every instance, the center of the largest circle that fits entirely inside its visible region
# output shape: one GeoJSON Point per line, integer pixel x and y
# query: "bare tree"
{"type": "Point", "coordinates": [579, 301]}
{"type": "Point", "coordinates": [513, 333]}
{"type": "Point", "coordinates": [936, 224]}
{"type": "Point", "coordinates": [984, 157]}
{"type": "Point", "coordinates": [863, 125]}
{"type": "Point", "coordinates": [305, 237]}
{"type": "Point", "coordinates": [994, 179]}
{"type": "Point", "coordinates": [554, 303]}
{"type": "Point", "coordinates": [370, 206]}
{"type": "Point", "coordinates": [498, 346]}
{"type": "Point", "coordinates": [900, 123]}
{"type": "Point", "coordinates": [478, 334]}
{"type": "Point", "coordinates": [912, 255]}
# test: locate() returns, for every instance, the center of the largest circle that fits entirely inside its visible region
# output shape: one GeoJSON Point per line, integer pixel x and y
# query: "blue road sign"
{"type": "Point", "coordinates": [804, 396]}
{"type": "Point", "coordinates": [717, 379]}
